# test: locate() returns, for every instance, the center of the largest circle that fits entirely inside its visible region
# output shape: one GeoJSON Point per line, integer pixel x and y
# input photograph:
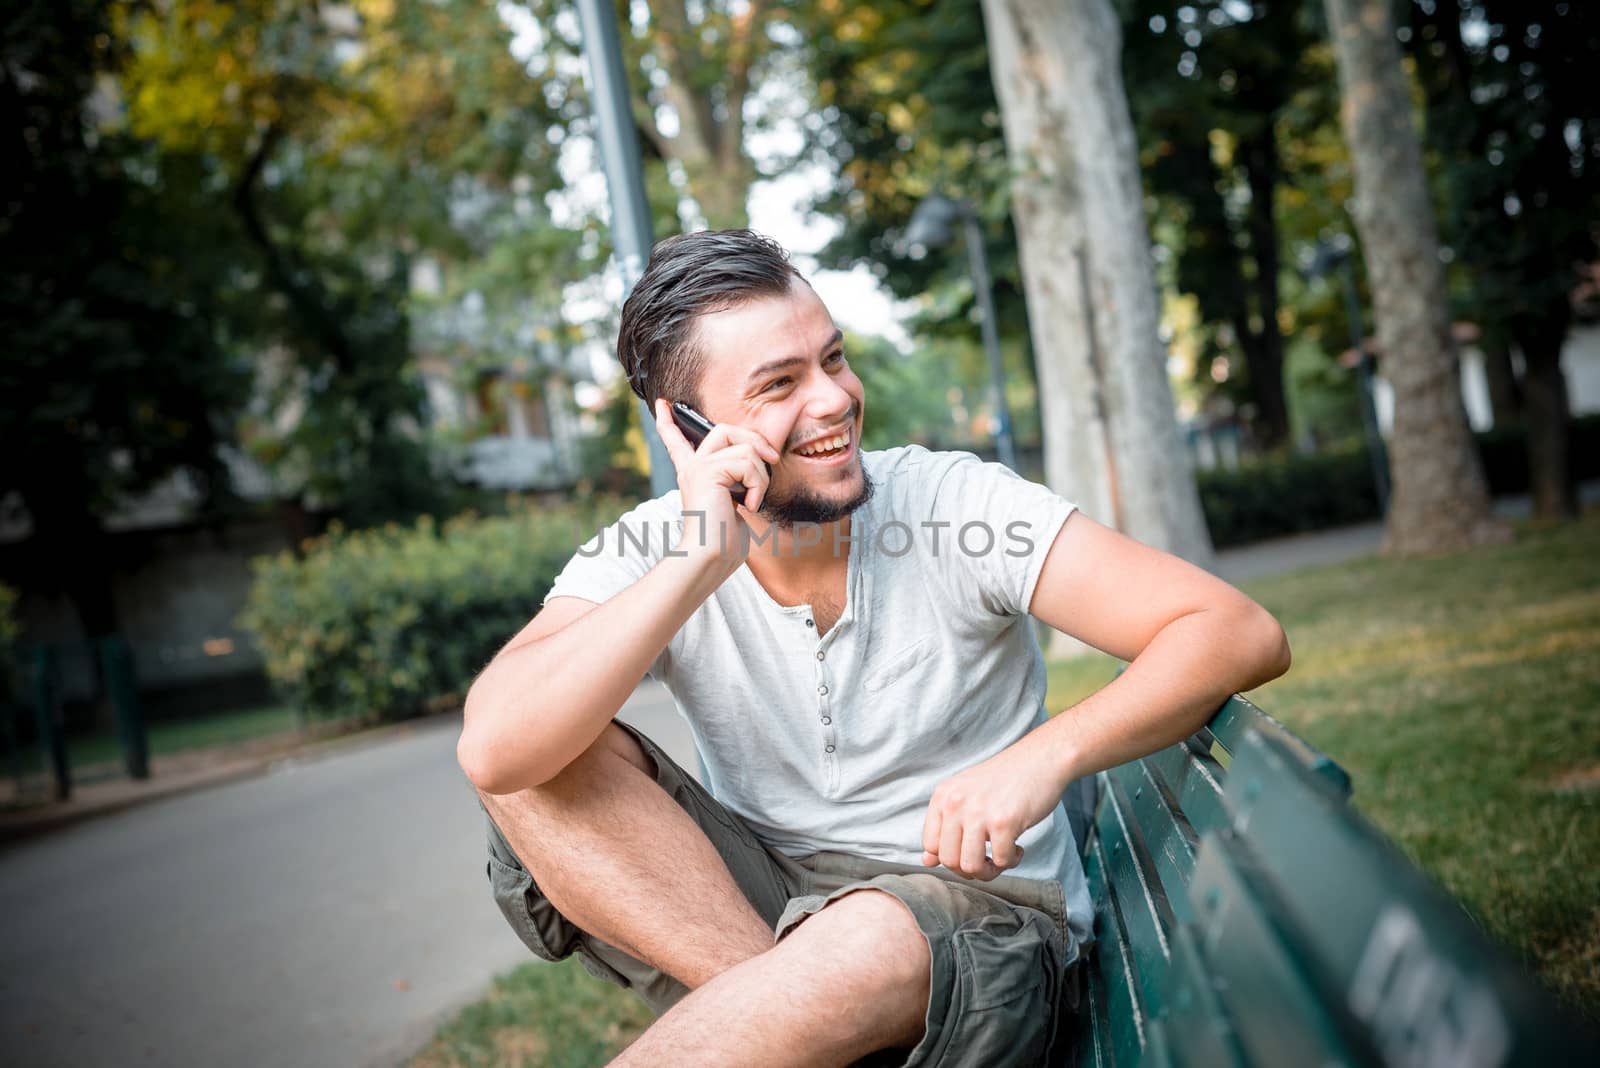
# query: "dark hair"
{"type": "Point", "coordinates": [688, 276]}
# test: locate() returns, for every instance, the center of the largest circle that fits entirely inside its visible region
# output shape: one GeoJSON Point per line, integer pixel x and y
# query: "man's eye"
{"type": "Point", "coordinates": [837, 357]}
{"type": "Point", "coordinates": [774, 383]}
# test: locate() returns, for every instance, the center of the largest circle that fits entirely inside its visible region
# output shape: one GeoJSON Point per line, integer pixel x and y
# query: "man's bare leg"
{"type": "Point", "coordinates": [624, 863]}
{"type": "Point", "coordinates": [851, 979]}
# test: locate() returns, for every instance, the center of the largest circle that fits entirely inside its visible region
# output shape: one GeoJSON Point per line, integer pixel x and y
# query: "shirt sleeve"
{"type": "Point", "coordinates": [994, 530]}
{"type": "Point", "coordinates": [619, 556]}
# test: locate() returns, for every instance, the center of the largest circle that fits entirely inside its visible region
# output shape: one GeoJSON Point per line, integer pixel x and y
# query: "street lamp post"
{"type": "Point", "coordinates": [631, 231]}
{"type": "Point", "coordinates": [931, 227]}
{"type": "Point", "coordinates": [1334, 255]}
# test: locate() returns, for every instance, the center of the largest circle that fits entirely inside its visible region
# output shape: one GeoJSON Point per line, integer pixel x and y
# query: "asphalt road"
{"type": "Point", "coordinates": [331, 912]}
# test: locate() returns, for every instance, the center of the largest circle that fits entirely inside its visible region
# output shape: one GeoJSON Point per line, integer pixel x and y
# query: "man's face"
{"type": "Point", "coordinates": [776, 365]}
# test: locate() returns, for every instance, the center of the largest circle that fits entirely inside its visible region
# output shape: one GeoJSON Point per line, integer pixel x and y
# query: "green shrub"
{"type": "Point", "coordinates": [1287, 495]}
{"type": "Point", "coordinates": [376, 624]}
{"type": "Point", "coordinates": [1279, 495]}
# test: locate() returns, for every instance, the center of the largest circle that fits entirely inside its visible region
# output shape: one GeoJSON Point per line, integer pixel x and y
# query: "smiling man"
{"type": "Point", "coordinates": [879, 862]}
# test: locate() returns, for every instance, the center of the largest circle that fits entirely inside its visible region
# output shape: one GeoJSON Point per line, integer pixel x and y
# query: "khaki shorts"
{"type": "Point", "coordinates": [1004, 981]}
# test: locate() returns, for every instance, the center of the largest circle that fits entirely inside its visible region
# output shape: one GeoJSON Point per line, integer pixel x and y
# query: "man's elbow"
{"type": "Point", "coordinates": [477, 759]}
{"type": "Point", "coordinates": [479, 752]}
{"type": "Point", "coordinates": [1275, 656]}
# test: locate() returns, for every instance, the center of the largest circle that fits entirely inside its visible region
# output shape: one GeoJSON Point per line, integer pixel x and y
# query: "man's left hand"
{"type": "Point", "coordinates": [977, 816]}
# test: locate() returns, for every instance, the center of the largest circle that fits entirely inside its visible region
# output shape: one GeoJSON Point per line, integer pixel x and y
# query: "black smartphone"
{"type": "Point", "coordinates": [695, 427]}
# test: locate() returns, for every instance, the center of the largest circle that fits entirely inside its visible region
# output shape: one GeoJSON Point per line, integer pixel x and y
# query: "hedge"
{"type": "Point", "coordinates": [1292, 494]}
{"type": "Point", "coordinates": [380, 624]}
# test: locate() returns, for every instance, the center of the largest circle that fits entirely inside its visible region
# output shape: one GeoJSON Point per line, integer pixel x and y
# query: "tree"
{"type": "Point", "coordinates": [1209, 84]}
{"type": "Point", "coordinates": [355, 142]}
{"type": "Point", "coordinates": [1514, 122]}
{"type": "Point", "coordinates": [693, 69]}
{"type": "Point", "coordinates": [1440, 500]}
{"type": "Point", "coordinates": [905, 107]}
{"type": "Point", "coordinates": [1092, 294]}
{"type": "Point", "coordinates": [116, 375]}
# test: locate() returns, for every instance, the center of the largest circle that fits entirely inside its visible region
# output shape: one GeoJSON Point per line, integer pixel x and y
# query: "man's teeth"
{"type": "Point", "coordinates": [825, 445]}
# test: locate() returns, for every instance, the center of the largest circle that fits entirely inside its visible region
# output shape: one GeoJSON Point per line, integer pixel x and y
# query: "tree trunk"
{"type": "Point", "coordinates": [1266, 355]}
{"type": "Point", "coordinates": [1062, 63]}
{"type": "Point", "coordinates": [1048, 217]}
{"type": "Point", "coordinates": [1505, 398]}
{"type": "Point", "coordinates": [1544, 391]}
{"type": "Point", "coordinates": [1440, 501]}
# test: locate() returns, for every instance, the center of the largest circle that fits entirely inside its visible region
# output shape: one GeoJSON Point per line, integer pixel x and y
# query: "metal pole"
{"type": "Point", "coordinates": [632, 235]}
{"type": "Point", "coordinates": [1369, 411]}
{"type": "Point", "coordinates": [991, 336]}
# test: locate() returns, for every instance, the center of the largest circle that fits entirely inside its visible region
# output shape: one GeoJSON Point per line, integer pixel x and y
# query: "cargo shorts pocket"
{"type": "Point", "coordinates": [1004, 1006]}
{"type": "Point", "coordinates": [542, 929]}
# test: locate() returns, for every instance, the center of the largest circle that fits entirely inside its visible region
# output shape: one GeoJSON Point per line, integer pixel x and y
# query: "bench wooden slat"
{"type": "Point", "coordinates": [1095, 1052]}
{"type": "Point", "coordinates": [1238, 717]}
{"type": "Point", "coordinates": [1125, 1014]}
{"type": "Point", "coordinates": [1404, 957]}
{"type": "Point", "coordinates": [1194, 1011]}
{"type": "Point", "coordinates": [1267, 979]}
{"type": "Point", "coordinates": [1136, 887]}
{"type": "Point", "coordinates": [1167, 834]}
{"type": "Point", "coordinates": [1195, 780]}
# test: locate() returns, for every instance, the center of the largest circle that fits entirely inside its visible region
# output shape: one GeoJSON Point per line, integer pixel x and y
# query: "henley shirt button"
{"type": "Point", "coordinates": [809, 623]}
{"type": "Point", "coordinates": [830, 748]}
{"type": "Point", "coordinates": [823, 690]}
{"type": "Point", "coordinates": [821, 654]}
{"type": "Point", "coordinates": [826, 720]}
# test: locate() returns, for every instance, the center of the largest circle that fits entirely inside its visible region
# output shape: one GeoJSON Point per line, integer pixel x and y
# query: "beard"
{"type": "Point", "coordinates": [803, 506]}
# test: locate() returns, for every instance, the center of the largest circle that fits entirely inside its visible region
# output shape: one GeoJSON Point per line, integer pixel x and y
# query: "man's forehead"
{"type": "Point", "coordinates": [737, 342]}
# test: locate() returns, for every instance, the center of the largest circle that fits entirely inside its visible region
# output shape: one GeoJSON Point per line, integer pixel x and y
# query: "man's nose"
{"type": "Point", "coordinates": [828, 400]}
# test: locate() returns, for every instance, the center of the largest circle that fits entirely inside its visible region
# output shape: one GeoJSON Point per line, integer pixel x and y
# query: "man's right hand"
{"type": "Point", "coordinates": [729, 454]}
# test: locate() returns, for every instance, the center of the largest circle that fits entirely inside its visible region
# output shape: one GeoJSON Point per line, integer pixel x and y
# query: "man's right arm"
{"type": "Point", "coordinates": [548, 695]}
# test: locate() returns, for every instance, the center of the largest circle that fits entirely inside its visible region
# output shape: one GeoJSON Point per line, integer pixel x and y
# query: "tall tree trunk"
{"type": "Point", "coordinates": [1440, 501]}
{"type": "Point", "coordinates": [1544, 391]}
{"type": "Point", "coordinates": [1048, 215]}
{"type": "Point", "coordinates": [1266, 355]}
{"type": "Point", "coordinates": [1072, 53]}
{"type": "Point", "coordinates": [1505, 397]}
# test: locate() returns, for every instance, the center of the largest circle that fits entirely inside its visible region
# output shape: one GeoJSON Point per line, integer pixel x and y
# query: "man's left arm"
{"type": "Point", "coordinates": [1191, 641]}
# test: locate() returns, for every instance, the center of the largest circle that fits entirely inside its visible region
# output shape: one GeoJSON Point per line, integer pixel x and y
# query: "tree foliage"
{"type": "Point", "coordinates": [1514, 128]}
{"type": "Point", "coordinates": [111, 291]}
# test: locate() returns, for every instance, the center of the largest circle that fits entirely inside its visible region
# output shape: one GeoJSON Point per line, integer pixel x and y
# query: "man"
{"type": "Point", "coordinates": [882, 864]}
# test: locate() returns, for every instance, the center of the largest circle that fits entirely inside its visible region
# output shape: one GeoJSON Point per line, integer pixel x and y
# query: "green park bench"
{"type": "Point", "coordinates": [1246, 915]}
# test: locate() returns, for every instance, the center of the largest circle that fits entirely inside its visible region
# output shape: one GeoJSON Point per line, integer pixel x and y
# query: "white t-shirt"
{"type": "Point", "coordinates": [837, 742]}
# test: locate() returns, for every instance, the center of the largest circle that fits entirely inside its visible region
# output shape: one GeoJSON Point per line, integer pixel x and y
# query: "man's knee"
{"type": "Point", "coordinates": [875, 936]}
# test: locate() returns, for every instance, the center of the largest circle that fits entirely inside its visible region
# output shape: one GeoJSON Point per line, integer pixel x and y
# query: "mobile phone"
{"type": "Point", "coordinates": [695, 427]}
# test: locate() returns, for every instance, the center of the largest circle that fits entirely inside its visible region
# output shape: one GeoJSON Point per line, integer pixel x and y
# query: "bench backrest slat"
{"type": "Point", "coordinates": [1195, 1011]}
{"type": "Point", "coordinates": [1400, 953]}
{"type": "Point", "coordinates": [1194, 778]}
{"type": "Point", "coordinates": [1266, 979]}
{"type": "Point", "coordinates": [1168, 837]}
{"type": "Point", "coordinates": [1238, 718]}
{"type": "Point", "coordinates": [1140, 897]}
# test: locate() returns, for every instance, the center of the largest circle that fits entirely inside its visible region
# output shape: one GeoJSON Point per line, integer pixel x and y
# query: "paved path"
{"type": "Point", "coordinates": [328, 913]}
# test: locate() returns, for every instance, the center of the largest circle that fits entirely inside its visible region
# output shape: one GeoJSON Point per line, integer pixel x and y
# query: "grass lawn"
{"type": "Point", "coordinates": [1461, 693]}
{"type": "Point", "coordinates": [176, 736]}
